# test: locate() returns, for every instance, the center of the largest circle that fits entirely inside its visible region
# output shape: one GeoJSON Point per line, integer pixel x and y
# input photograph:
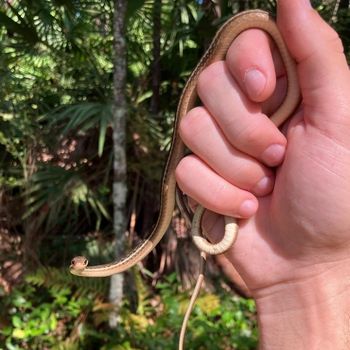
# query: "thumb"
{"type": "Point", "coordinates": [322, 68]}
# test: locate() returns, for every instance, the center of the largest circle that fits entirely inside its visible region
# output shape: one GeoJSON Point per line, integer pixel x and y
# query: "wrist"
{"type": "Point", "coordinates": [312, 312]}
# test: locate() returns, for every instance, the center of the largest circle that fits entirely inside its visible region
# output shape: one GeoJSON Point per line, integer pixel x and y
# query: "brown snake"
{"type": "Point", "coordinates": [216, 52]}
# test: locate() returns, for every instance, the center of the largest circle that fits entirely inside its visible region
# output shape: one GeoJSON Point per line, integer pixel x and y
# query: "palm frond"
{"type": "Point", "coordinates": [56, 194]}
{"type": "Point", "coordinates": [82, 117]}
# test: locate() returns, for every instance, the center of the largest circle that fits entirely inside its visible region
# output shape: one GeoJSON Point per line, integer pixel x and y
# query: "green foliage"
{"type": "Point", "coordinates": [47, 310]}
{"type": "Point", "coordinates": [56, 311]}
{"type": "Point", "coordinates": [219, 321]}
{"type": "Point", "coordinates": [59, 194]}
{"type": "Point", "coordinates": [83, 117]}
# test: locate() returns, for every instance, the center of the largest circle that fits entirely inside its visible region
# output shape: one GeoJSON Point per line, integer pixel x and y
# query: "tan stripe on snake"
{"type": "Point", "coordinates": [216, 51]}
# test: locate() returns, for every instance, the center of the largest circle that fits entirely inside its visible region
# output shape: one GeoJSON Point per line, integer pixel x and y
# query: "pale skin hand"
{"type": "Point", "coordinates": [293, 249]}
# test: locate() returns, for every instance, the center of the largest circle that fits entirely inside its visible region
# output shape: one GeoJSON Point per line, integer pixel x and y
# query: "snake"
{"type": "Point", "coordinates": [251, 19]}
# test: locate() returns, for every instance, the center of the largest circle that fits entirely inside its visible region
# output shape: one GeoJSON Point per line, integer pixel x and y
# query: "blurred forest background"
{"type": "Point", "coordinates": [71, 114]}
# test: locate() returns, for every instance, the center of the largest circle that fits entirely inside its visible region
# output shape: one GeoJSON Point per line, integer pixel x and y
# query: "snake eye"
{"type": "Point", "coordinates": [72, 262]}
{"type": "Point", "coordinates": [85, 262]}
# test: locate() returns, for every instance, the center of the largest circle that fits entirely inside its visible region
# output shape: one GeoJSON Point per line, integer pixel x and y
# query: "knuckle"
{"type": "Point", "coordinates": [334, 40]}
{"type": "Point", "coordinates": [181, 168]}
{"type": "Point", "coordinates": [218, 194]}
{"type": "Point", "coordinates": [184, 167]}
{"type": "Point", "coordinates": [248, 136]}
{"type": "Point", "coordinates": [189, 123]}
{"type": "Point", "coordinates": [209, 76]}
{"type": "Point", "coordinates": [195, 126]}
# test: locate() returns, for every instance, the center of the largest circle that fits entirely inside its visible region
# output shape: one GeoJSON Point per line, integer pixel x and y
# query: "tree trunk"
{"type": "Point", "coordinates": [119, 163]}
{"type": "Point", "coordinates": [156, 69]}
{"type": "Point", "coordinates": [339, 5]}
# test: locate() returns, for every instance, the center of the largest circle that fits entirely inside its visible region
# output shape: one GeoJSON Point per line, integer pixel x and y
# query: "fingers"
{"type": "Point", "coordinates": [204, 185]}
{"type": "Point", "coordinates": [257, 81]}
{"type": "Point", "coordinates": [322, 68]}
{"type": "Point", "coordinates": [240, 119]}
{"type": "Point", "coordinates": [234, 142]}
{"type": "Point", "coordinates": [255, 63]}
{"type": "Point", "coordinates": [203, 136]}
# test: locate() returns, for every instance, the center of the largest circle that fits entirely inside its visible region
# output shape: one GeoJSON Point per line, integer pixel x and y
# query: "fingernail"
{"type": "Point", "coordinates": [264, 186]}
{"type": "Point", "coordinates": [274, 154]}
{"type": "Point", "coordinates": [248, 208]}
{"type": "Point", "coordinates": [255, 82]}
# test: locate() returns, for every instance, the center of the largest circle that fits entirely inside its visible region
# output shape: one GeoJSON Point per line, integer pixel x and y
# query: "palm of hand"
{"type": "Point", "coordinates": [304, 216]}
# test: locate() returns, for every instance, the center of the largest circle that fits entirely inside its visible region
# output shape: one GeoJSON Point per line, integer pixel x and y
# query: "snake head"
{"type": "Point", "coordinates": [79, 263]}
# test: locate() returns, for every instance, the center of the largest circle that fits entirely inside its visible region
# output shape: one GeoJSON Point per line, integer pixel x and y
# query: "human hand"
{"type": "Point", "coordinates": [293, 244]}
